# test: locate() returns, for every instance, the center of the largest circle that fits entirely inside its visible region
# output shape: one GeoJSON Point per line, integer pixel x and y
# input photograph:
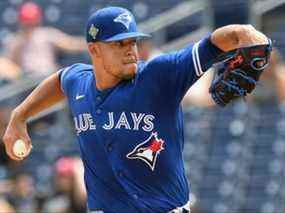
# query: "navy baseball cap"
{"type": "Point", "coordinates": [112, 24]}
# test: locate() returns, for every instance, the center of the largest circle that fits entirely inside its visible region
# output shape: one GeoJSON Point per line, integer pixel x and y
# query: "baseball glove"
{"type": "Point", "coordinates": [239, 73]}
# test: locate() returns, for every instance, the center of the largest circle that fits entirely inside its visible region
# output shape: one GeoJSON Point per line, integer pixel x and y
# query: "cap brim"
{"type": "Point", "coordinates": [123, 36]}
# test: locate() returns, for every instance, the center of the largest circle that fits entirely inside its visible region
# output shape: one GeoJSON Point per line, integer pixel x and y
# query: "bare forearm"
{"type": "Point", "coordinates": [45, 95]}
{"type": "Point", "coordinates": [236, 36]}
{"type": "Point", "coordinates": [72, 44]}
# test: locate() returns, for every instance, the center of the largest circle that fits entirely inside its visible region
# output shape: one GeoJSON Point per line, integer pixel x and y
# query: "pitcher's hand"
{"type": "Point", "coordinates": [16, 129]}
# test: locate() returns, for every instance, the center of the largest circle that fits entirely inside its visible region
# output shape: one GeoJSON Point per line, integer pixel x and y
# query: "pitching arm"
{"type": "Point", "coordinates": [45, 95]}
{"type": "Point", "coordinates": [237, 36]}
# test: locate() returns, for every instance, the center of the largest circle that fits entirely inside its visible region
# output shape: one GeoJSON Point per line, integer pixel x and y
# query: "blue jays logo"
{"type": "Point", "coordinates": [125, 19]}
{"type": "Point", "coordinates": [148, 150]}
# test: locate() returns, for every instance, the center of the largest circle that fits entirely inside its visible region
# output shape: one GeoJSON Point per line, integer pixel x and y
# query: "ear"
{"type": "Point", "coordinates": [93, 49]}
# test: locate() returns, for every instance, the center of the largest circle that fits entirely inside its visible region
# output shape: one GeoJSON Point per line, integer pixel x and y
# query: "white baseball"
{"type": "Point", "coordinates": [19, 148]}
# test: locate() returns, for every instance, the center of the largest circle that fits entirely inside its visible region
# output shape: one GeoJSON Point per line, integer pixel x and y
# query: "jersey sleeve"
{"type": "Point", "coordinates": [178, 71]}
{"type": "Point", "coordinates": [68, 76]}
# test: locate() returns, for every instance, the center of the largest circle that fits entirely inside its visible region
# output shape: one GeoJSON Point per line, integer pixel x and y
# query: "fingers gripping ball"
{"type": "Point", "coordinates": [239, 73]}
{"type": "Point", "coordinates": [19, 148]}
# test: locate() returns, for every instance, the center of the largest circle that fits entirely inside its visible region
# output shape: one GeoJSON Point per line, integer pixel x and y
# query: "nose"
{"type": "Point", "coordinates": [131, 50]}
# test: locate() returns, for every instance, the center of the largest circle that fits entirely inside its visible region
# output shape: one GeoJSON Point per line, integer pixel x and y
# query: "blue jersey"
{"type": "Point", "coordinates": [131, 135]}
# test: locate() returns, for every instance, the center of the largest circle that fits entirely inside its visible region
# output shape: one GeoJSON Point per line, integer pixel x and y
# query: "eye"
{"type": "Point", "coordinates": [116, 44]}
{"type": "Point", "coordinates": [121, 43]}
{"type": "Point", "coordinates": [134, 43]}
{"type": "Point", "coordinates": [126, 43]}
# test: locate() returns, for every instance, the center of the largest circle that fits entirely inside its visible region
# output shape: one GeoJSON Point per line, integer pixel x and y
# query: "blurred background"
{"type": "Point", "coordinates": [234, 157]}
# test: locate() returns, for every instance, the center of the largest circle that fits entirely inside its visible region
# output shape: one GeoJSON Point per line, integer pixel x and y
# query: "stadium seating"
{"type": "Point", "coordinates": [243, 170]}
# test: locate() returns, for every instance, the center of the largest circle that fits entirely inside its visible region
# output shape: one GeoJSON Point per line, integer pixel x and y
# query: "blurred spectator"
{"type": "Point", "coordinates": [70, 195]}
{"type": "Point", "coordinates": [9, 71]}
{"type": "Point", "coordinates": [23, 196]}
{"type": "Point", "coordinates": [33, 47]}
{"type": "Point", "coordinates": [147, 50]}
{"type": "Point", "coordinates": [198, 94]}
{"type": "Point", "coordinates": [6, 207]}
{"type": "Point", "coordinates": [6, 186]}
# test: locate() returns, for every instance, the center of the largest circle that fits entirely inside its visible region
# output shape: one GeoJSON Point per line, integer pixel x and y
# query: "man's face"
{"type": "Point", "coordinates": [119, 58]}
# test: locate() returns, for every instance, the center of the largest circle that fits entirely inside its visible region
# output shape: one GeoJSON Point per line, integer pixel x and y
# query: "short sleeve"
{"type": "Point", "coordinates": [64, 76]}
{"type": "Point", "coordinates": [68, 76]}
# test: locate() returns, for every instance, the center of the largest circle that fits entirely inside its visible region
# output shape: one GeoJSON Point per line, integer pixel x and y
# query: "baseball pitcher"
{"type": "Point", "coordinates": [127, 113]}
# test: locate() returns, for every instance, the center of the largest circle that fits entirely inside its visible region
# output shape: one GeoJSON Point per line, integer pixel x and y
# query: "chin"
{"type": "Point", "coordinates": [130, 71]}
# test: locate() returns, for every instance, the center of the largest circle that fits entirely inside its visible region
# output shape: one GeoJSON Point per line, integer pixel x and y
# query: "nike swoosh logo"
{"type": "Point", "coordinates": [79, 97]}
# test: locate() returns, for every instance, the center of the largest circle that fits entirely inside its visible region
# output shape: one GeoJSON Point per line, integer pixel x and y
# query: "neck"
{"type": "Point", "coordinates": [103, 79]}
{"type": "Point", "coordinates": [27, 31]}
